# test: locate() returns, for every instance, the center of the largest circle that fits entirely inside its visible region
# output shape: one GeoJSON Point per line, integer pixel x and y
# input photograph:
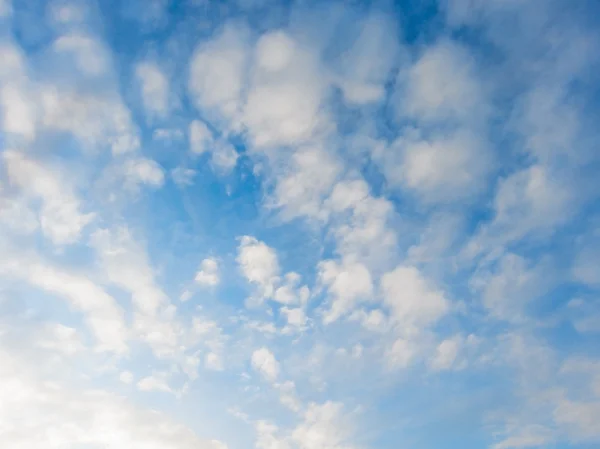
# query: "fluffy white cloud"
{"type": "Point", "coordinates": [200, 136]}
{"type": "Point", "coordinates": [442, 168]}
{"type": "Point", "coordinates": [18, 111]}
{"type": "Point", "coordinates": [267, 438]}
{"type": "Point", "coordinates": [95, 119]}
{"type": "Point", "coordinates": [431, 93]}
{"type": "Point", "coordinates": [217, 71]}
{"type": "Point", "coordinates": [223, 155]}
{"type": "Point", "coordinates": [296, 318]}
{"type": "Point", "coordinates": [141, 170]}
{"type": "Point", "coordinates": [283, 105]}
{"type": "Point", "coordinates": [60, 217]}
{"type": "Point", "coordinates": [360, 223]}
{"type": "Point", "coordinates": [154, 86]}
{"type": "Point", "coordinates": [289, 291]}
{"type": "Point", "coordinates": [265, 363]}
{"type": "Point", "coordinates": [324, 426]}
{"type": "Point", "coordinates": [401, 353]}
{"type": "Point", "coordinates": [412, 299]}
{"type": "Point", "coordinates": [18, 107]}
{"type": "Point", "coordinates": [446, 354]}
{"type": "Point", "coordinates": [348, 283]}
{"type": "Point", "coordinates": [208, 274]}
{"type": "Point", "coordinates": [259, 265]}
{"type": "Point", "coordinates": [91, 58]}
{"type": "Point", "coordinates": [213, 362]}
{"type": "Point", "coordinates": [301, 190]}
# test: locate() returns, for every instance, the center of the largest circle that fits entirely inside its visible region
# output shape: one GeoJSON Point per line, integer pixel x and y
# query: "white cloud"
{"type": "Point", "coordinates": [154, 87]}
{"type": "Point", "coordinates": [183, 176]}
{"type": "Point", "coordinates": [267, 437]}
{"type": "Point", "coordinates": [585, 315]}
{"type": "Point", "coordinates": [283, 105]}
{"type": "Point", "coordinates": [360, 223]}
{"type": "Point", "coordinates": [201, 138]}
{"type": "Point", "coordinates": [167, 134]}
{"type": "Point", "coordinates": [16, 215]}
{"type": "Point", "coordinates": [586, 266]}
{"type": "Point", "coordinates": [223, 154]}
{"type": "Point", "coordinates": [289, 291]}
{"type": "Point", "coordinates": [125, 265]}
{"type": "Point", "coordinates": [324, 427]}
{"type": "Point", "coordinates": [442, 85]}
{"type": "Point", "coordinates": [60, 338]}
{"type": "Point", "coordinates": [441, 168]}
{"type": "Point", "coordinates": [275, 51]}
{"type": "Point", "coordinates": [508, 287]}
{"type": "Point", "coordinates": [446, 354]}
{"type": "Point", "coordinates": [143, 171]}
{"type": "Point", "coordinates": [19, 116]}
{"type": "Point", "coordinates": [96, 120]}
{"type": "Point", "coordinates": [529, 203]}
{"type": "Point", "coordinates": [374, 320]}
{"type": "Point", "coordinates": [579, 419]}
{"type": "Point", "coordinates": [436, 239]}
{"type": "Point", "coordinates": [102, 313]}
{"type": "Point", "coordinates": [413, 300]}
{"type": "Point", "coordinates": [60, 217]}
{"type": "Point", "coordinates": [213, 362]}
{"type": "Point", "coordinates": [401, 353]}
{"type": "Point", "coordinates": [209, 334]}
{"type": "Point", "coordinates": [530, 436]}
{"type": "Point", "coordinates": [208, 275]}
{"type": "Point", "coordinates": [90, 55]}
{"type": "Point", "coordinates": [155, 382]}
{"type": "Point", "coordinates": [265, 363]}
{"type": "Point", "coordinates": [288, 396]}
{"type": "Point", "coordinates": [18, 107]}
{"type": "Point", "coordinates": [348, 283]}
{"type": "Point", "coordinates": [126, 377]}
{"type": "Point", "coordinates": [217, 72]}
{"type": "Point", "coordinates": [68, 13]}
{"type": "Point", "coordinates": [365, 67]}
{"type": "Point", "coordinates": [259, 265]}
{"type": "Point", "coordinates": [36, 413]}
{"type": "Point", "coordinates": [296, 319]}
{"type": "Point", "coordinates": [301, 189]}
{"type": "Point", "coordinates": [224, 157]}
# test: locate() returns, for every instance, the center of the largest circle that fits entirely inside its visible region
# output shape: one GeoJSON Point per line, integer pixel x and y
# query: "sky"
{"type": "Point", "coordinates": [299, 224]}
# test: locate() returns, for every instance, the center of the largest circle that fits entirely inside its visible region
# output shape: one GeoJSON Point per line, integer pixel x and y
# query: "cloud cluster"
{"type": "Point", "coordinates": [368, 212]}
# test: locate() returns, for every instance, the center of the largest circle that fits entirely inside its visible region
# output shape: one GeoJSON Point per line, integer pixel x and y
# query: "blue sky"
{"type": "Point", "coordinates": [299, 225]}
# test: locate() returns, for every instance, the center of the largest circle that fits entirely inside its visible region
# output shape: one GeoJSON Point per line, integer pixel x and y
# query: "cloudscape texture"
{"type": "Point", "coordinates": [299, 224]}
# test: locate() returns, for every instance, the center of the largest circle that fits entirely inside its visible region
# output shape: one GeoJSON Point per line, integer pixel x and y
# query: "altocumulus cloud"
{"type": "Point", "coordinates": [299, 225]}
